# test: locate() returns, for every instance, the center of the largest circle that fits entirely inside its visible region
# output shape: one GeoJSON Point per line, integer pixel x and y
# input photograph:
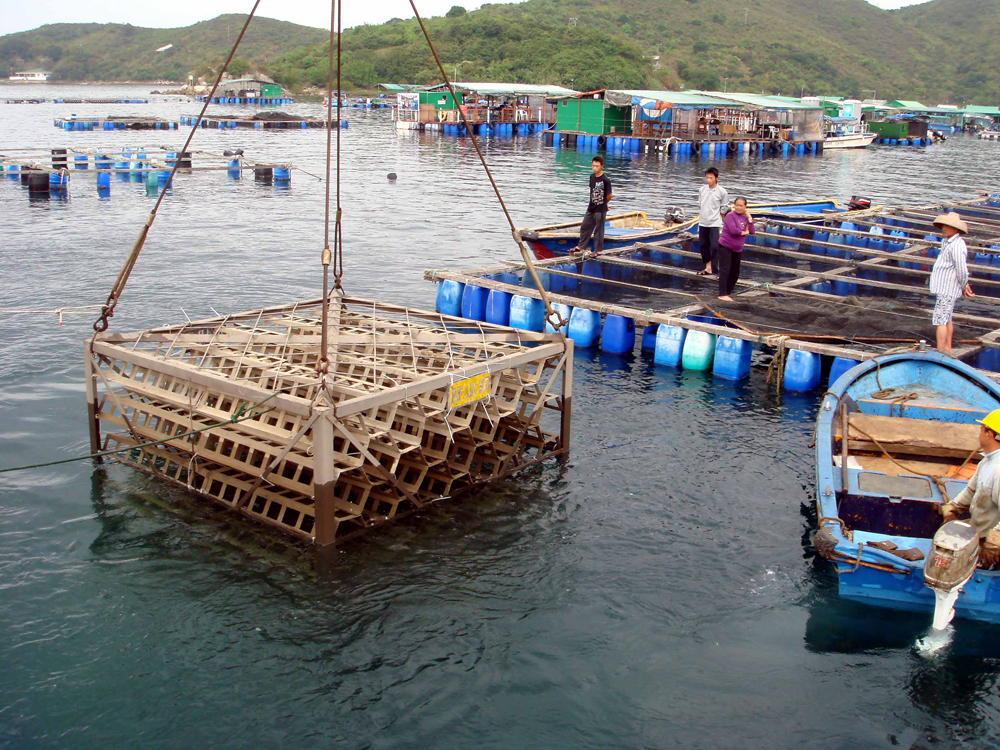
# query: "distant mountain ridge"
{"type": "Point", "coordinates": [120, 52]}
{"type": "Point", "coordinates": [938, 51]}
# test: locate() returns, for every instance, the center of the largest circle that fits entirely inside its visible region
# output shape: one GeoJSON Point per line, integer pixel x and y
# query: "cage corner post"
{"type": "Point", "coordinates": [324, 479]}
{"type": "Point", "coordinates": [93, 407]}
{"type": "Point", "coordinates": [567, 398]}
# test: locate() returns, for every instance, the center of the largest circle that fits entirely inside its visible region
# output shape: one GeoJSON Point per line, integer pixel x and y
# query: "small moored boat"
{"type": "Point", "coordinates": [625, 230]}
{"type": "Point", "coordinates": [846, 132]}
{"type": "Point", "coordinates": [895, 438]}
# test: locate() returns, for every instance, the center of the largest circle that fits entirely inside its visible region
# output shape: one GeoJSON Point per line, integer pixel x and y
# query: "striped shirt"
{"type": "Point", "coordinates": [950, 274]}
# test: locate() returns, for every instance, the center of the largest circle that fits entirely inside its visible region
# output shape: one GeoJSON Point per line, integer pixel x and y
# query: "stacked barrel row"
{"type": "Point", "coordinates": [244, 100]}
{"type": "Point", "coordinates": [615, 144]}
{"type": "Point", "coordinates": [727, 357]}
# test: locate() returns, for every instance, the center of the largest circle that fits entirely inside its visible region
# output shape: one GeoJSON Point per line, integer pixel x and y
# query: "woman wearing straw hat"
{"type": "Point", "coordinates": [949, 277]}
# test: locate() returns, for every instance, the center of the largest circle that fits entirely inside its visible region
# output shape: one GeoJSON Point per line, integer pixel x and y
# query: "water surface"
{"type": "Point", "coordinates": [656, 590]}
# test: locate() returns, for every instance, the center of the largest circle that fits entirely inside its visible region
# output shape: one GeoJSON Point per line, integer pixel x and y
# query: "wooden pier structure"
{"type": "Point", "coordinates": [874, 267]}
{"type": "Point", "coordinates": [414, 408]}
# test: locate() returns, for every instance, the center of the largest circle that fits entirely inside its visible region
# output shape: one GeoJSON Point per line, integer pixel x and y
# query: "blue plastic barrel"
{"type": "Point", "coordinates": [875, 242]}
{"type": "Point", "coordinates": [80, 161]}
{"type": "Point", "coordinates": [102, 161]}
{"type": "Point", "coordinates": [527, 313]}
{"type": "Point", "coordinates": [787, 232]}
{"type": "Point", "coordinates": [649, 337]}
{"type": "Point", "coordinates": [281, 174]}
{"type": "Point", "coordinates": [57, 180]}
{"type": "Point", "coordinates": [732, 358]}
{"type": "Point", "coordinates": [895, 247]}
{"type": "Point", "coordinates": [820, 237]}
{"type": "Point", "coordinates": [104, 180]}
{"type": "Point", "coordinates": [13, 171]}
{"type": "Point", "coordinates": [584, 327]}
{"type": "Point", "coordinates": [474, 302]}
{"type": "Point", "coordinates": [704, 151]}
{"type": "Point", "coordinates": [845, 288]}
{"type": "Point", "coordinates": [234, 169]}
{"type": "Point", "coordinates": [565, 312]}
{"type": "Point", "coordinates": [802, 370]}
{"type": "Point", "coordinates": [618, 334]}
{"type": "Point", "coordinates": [669, 345]}
{"type": "Point", "coordinates": [544, 278]}
{"type": "Point", "coordinates": [449, 297]}
{"type": "Point", "coordinates": [498, 307]}
{"type": "Point", "coordinates": [839, 367]}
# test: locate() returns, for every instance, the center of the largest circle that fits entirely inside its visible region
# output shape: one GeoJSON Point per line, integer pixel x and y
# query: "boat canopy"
{"type": "Point", "coordinates": [647, 99]}
{"type": "Point", "coordinates": [761, 101]}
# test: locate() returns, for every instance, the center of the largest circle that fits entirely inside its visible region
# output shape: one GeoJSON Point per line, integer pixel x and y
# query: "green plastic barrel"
{"type": "Point", "coordinates": [699, 351]}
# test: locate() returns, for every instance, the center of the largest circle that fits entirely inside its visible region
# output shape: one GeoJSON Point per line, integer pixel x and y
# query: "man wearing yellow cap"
{"type": "Point", "coordinates": [949, 277]}
{"type": "Point", "coordinates": [981, 496]}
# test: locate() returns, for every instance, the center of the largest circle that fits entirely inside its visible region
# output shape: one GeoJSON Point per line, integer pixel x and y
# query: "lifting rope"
{"type": "Point", "coordinates": [336, 255]}
{"type": "Point", "coordinates": [551, 315]}
{"type": "Point", "coordinates": [108, 310]}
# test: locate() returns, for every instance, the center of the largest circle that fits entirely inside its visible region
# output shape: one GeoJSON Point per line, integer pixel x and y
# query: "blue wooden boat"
{"type": "Point", "coordinates": [878, 517]}
{"type": "Point", "coordinates": [624, 230]}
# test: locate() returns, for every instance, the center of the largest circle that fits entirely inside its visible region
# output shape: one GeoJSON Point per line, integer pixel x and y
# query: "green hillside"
{"type": "Point", "coordinates": [938, 51]}
{"type": "Point", "coordinates": [778, 46]}
{"type": "Point", "coordinates": [972, 56]}
{"type": "Point", "coordinates": [116, 52]}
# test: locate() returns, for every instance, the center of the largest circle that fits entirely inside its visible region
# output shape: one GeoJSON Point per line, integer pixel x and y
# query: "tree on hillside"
{"type": "Point", "coordinates": [455, 12]}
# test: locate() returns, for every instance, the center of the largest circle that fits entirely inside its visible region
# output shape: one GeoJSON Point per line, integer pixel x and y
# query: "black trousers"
{"type": "Point", "coordinates": [729, 270]}
{"type": "Point", "coordinates": [593, 224]}
{"type": "Point", "coordinates": [708, 243]}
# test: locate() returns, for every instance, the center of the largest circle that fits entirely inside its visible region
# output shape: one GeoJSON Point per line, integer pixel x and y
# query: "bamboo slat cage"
{"type": "Point", "coordinates": [415, 407]}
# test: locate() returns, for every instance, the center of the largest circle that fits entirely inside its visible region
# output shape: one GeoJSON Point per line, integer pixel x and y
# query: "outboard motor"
{"type": "Point", "coordinates": [674, 215]}
{"type": "Point", "coordinates": [857, 203]}
{"type": "Point", "coordinates": [951, 563]}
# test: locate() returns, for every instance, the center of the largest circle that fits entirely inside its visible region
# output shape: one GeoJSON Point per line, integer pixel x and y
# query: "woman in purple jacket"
{"type": "Point", "coordinates": [735, 229]}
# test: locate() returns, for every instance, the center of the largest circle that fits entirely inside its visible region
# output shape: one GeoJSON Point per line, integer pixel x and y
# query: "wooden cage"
{"type": "Point", "coordinates": [414, 407]}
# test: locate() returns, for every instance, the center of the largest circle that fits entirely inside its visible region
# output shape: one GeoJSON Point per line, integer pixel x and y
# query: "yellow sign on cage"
{"type": "Point", "coordinates": [469, 391]}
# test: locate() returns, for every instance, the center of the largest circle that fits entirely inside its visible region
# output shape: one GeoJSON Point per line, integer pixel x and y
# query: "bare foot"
{"type": "Point", "coordinates": [726, 298]}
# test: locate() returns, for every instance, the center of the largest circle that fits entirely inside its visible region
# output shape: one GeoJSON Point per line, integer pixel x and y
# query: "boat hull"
{"type": "Point", "coordinates": [954, 393]}
{"type": "Point", "coordinates": [860, 140]}
{"type": "Point", "coordinates": [559, 240]}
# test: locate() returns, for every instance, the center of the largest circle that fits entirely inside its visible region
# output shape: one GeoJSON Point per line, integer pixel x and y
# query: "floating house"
{"type": "Point", "coordinates": [776, 117]}
{"type": "Point", "coordinates": [695, 117]}
{"type": "Point", "coordinates": [988, 117]}
{"type": "Point", "coordinates": [250, 88]}
{"type": "Point", "coordinates": [491, 104]}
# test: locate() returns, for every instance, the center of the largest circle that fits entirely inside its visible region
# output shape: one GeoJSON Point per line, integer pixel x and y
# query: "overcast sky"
{"type": "Point", "coordinates": [21, 16]}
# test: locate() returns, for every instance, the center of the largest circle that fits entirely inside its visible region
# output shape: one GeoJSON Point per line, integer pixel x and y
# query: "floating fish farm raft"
{"type": "Point", "coordinates": [244, 100]}
{"type": "Point", "coordinates": [415, 407]}
{"type": "Point", "coordinates": [115, 123]}
{"type": "Point", "coordinates": [75, 101]}
{"type": "Point", "coordinates": [45, 170]}
{"type": "Point", "coordinates": [265, 121]}
{"type": "Point", "coordinates": [847, 289]}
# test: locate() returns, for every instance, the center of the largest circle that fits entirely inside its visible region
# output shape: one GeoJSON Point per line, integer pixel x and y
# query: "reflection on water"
{"type": "Point", "coordinates": [657, 589]}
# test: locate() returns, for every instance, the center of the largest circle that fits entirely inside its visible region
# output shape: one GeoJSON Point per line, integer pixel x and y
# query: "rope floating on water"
{"type": "Point", "coordinates": [240, 415]}
{"type": "Point", "coordinates": [58, 311]}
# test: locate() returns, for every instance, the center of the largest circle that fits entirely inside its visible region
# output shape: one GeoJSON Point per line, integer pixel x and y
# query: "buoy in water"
{"type": "Point", "coordinates": [391, 176]}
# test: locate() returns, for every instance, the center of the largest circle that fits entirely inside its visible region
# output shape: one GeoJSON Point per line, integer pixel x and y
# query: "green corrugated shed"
{"type": "Point", "coordinates": [592, 116]}
{"type": "Point", "coordinates": [270, 90]}
{"type": "Point", "coordinates": [440, 99]}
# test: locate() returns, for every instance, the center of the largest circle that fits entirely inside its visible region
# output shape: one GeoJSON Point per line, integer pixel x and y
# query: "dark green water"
{"type": "Point", "coordinates": [657, 590]}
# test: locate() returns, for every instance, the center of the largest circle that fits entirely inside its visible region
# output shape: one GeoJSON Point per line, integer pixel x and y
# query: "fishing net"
{"type": "Point", "coordinates": [875, 320]}
{"type": "Point", "coordinates": [276, 116]}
